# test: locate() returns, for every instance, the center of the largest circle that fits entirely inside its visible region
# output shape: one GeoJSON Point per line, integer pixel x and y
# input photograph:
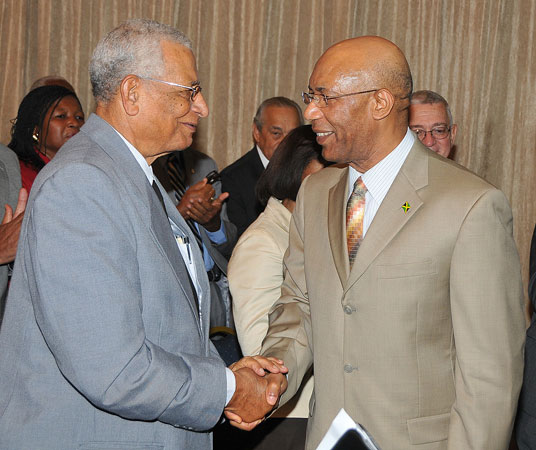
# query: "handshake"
{"type": "Point", "coordinates": [260, 382]}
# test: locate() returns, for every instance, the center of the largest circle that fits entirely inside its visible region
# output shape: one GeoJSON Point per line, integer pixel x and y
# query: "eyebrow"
{"type": "Point", "coordinates": [319, 89]}
{"type": "Point", "coordinates": [275, 127]}
{"type": "Point", "coordinates": [437, 124]}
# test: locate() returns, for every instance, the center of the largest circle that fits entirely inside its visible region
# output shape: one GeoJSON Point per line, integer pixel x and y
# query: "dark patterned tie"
{"type": "Point", "coordinates": [175, 170]}
{"type": "Point", "coordinates": [159, 195]}
{"type": "Point", "coordinates": [355, 212]}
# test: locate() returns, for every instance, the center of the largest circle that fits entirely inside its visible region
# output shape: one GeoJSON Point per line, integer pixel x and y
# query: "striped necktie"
{"type": "Point", "coordinates": [175, 170]}
{"type": "Point", "coordinates": [355, 212]}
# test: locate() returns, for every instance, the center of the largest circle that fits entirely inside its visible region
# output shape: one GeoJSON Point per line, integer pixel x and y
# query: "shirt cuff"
{"type": "Point", "coordinates": [231, 385]}
{"type": "Point", "coordinates": [218, 237]}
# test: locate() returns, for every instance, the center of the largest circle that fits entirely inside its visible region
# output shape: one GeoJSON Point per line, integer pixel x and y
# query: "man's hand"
{"type": "Point", "coordinates": [257, 391]}
{"type": "Point", "coordinates": [198, 203]}
{"type": "Point", "coordinates": [10, 228]}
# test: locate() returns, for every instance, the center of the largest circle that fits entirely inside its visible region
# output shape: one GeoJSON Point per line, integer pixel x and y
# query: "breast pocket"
{"type": "Point", "coordinates": [407, 270]}
{"type": "Point", "coordinates": [404, 292]}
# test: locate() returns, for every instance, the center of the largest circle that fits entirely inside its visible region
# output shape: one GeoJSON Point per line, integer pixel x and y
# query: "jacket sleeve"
{"type": "Point", "coordinates": [289, 334]}
{"type": "Point", "coordinates": [489, 327]}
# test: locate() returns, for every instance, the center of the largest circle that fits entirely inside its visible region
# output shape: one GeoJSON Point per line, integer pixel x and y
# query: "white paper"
{"type": "Point", "coordinates": [340, 425]}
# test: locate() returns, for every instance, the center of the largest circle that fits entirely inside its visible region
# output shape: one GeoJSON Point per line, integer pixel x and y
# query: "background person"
{"type": "Point", "coordinates": [14, 201]}
{"type": "Point", "coordinates": [48, 117]}
{"type": "Point", "coordinates": [183, 176]}
{"type": "Point", "coordinates": [51, 80]}
{"type": "Point", "coordinates": [526, 414]}
{"type": "Point", "coordinates": [256, 274]}
{"type": "Point", "coordinates": [274, 119]}
{"type": "Point", "coordinates": [431, 120]}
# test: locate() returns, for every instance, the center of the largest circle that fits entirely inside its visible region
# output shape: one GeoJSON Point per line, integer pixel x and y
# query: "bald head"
{"type": "Point", "coordinates": [51, 80]}
{"type": "Point", "coordinates": [369, 82]}
{"type": "Point", "coordinates": [369, 62]}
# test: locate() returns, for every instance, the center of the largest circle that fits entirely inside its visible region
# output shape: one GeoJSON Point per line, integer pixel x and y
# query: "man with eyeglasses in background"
{"type": "Point", "coordinates": [431, 120]}
{"type": "Point", "coordinates": [275, 118]}
{"type": "Point", "coordinates": [402, 283]}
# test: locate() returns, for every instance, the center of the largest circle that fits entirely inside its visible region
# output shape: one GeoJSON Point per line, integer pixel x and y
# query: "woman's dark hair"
{"type": "Point", "coordinates": [283, 176]}
{"type": "Point", "coordinates": [30, 116]}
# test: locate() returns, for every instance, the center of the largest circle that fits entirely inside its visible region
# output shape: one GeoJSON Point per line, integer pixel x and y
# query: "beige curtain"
{"type": "Point", "coordinates": [479, 54]}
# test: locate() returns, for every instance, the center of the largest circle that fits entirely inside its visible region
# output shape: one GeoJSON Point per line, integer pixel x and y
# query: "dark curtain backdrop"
{"type": "Point", "coordinates": [479, 54]}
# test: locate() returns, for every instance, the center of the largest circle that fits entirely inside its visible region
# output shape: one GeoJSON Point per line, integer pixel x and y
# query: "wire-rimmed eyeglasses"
{"type": "Point", "coordinates": [194, 89]}
{"type": "Point", "coordinates": [439, 133]}
{"type": "Point", "coordinates": [321, 100]}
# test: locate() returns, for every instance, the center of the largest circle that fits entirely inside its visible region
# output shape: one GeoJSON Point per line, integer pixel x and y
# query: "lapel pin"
{"type": "Point", "coordinates": [406, 206]}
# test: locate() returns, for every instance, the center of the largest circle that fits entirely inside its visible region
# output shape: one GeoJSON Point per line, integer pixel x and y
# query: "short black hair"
{"type": "Point", "coordinates": [31, 114]}
{"type": "Point", "coordinates": [283, 175]}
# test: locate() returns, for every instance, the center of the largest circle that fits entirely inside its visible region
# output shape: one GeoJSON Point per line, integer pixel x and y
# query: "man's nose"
{"type": "Point", "coordinates": [312, 111]}
{"type": "Point", "coordinates": [428, 140]}
{"type": "Point", "coordinates": [200, 106]}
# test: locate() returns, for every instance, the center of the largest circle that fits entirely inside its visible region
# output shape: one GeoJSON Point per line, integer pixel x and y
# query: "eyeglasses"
{"type": "Point", "coordinates": [321, 100]}
{"type": "Point", "coordinates": [437, 133]}
{"type": "Point", "coordinates": [194, 89]}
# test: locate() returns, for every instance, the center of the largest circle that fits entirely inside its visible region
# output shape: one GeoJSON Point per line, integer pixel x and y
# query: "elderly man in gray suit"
{"type": "Point", "coordinates": [105, 340]}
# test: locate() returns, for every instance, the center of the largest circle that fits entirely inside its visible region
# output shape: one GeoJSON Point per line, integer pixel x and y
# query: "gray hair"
{"type": "Point", "coordinates": [282, 102]}
{"type": "Point", "coordinates": [131, 48]}
{"type": "Point", "coordinates": [425, 97]}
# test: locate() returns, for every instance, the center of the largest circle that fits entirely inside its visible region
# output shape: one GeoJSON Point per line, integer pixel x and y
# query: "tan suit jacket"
{"type": "Point", "coordinates": [255, 277]}
{"type": "Point", "coordinates": [422, 341]}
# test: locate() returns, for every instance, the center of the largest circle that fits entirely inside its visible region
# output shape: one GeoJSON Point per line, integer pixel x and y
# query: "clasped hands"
{"type": "Point", "coordinates": [198, 203]}
{"type": "Point", "coordinates": [260, 382]}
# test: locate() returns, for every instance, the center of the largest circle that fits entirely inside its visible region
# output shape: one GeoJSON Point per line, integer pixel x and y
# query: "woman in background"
{"type": "Point", "coordinates": [256, 274]}
{"type": "Point", "coordinates": [47, 118]}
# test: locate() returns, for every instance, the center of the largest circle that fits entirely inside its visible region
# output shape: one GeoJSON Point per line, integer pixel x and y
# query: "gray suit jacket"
{"type": "Point", "coordinates": [9, 191]}
{"type": "Point", "coordinates": [102, 345]}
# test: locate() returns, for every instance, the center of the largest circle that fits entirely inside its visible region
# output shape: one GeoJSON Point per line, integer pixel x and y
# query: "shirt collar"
{"type": "Point", "coordinates": [147, 169]}
{"type": "Point", "coordinates": [264, 159]}
{"type": "Point", "coordinates": [379, 178]}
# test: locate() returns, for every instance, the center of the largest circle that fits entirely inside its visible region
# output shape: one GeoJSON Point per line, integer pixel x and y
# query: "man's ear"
{"type": "Point", "coordinates": [256, 133]}
{"type": "Point", "coordinates": [130, 94]}
{"type": "Point", "coordinates": [384, 102]}
{"type": "Point", "coordinates": [453, 131]}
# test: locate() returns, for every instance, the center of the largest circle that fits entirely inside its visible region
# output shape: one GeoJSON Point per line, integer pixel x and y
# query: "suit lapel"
{"type": "Point", "coordinates": [337, 226]}
{"type": "Point", "coordinates": [164, 235]}
{"type": "Point", "coordinates": [391, 217]}
{"type": "Point", "coordinates": [142, 193]}
{"type": "Point", "coordinates": [202, 279]}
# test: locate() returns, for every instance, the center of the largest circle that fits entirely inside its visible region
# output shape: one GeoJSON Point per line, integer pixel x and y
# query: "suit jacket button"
{"type": "Point", "coordinates": [348, 368]}
{"type": "Point", "coordinates": [348, 309]}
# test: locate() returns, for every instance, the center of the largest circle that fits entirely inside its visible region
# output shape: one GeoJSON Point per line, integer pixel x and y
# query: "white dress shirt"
{"type": "Point", "coordinates": [264, 159]}
{"type": "Point", "coordinates": [379, 178]}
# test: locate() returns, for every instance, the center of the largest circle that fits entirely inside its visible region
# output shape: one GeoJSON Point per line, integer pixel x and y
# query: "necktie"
{"type": "Point", "coordinates": [159, 195]}
{"type": "Point", "coordinates": [161, 199]}
{"type": "Point", "coordinates": [175, 170]}
{"type": "Point", "coordinates": [355, 211]}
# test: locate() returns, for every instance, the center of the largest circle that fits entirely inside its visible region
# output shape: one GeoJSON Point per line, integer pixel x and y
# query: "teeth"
{"type": "Point", "coordinates": [324, 134]}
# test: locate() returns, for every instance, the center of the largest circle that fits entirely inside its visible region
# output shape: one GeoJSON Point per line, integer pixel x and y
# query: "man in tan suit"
{"type": "Point", "coordinates": [420, 339]}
